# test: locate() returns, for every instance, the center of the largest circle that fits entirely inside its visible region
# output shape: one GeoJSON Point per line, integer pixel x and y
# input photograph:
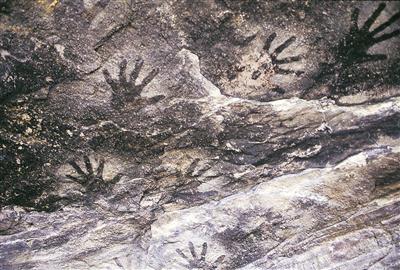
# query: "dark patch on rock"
{"type": "Point", "coordinates": [28, 67]}
{"type": "Point", "coordinates": [5, 6]}
{"type": "Point", "coordinates": [30, 142]}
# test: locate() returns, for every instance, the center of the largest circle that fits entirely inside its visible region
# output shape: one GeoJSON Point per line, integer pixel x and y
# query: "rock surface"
{"type": "Point", "coordinates": [213, 134]}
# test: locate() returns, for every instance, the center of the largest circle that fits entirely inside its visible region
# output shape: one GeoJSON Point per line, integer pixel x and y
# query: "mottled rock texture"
{"type": "Point", "coordinates": [210, 134]}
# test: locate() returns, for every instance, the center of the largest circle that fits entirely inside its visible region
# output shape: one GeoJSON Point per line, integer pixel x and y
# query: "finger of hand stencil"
{"type": "Point", "coordinates": [268, 42]}
{"type": "Point", "coordinates": [107, 76]}
{"type": "Point", "coordinates": [298, 72]}
{"type": "Point", "coordinates": [354, 19]}
{"type": "Point", "coordinates": [156, 99]}
{"type": "Point", "coordinates": [76, 167]}
{"type": "Point", "coordinates": [136, 70]}
{"type": "Point", "coordinates": [288, 60]}
{"type": "Point", "coordinates": [116, 178]}
{"type": "Point", "coordinates": [225, 18]}
{"type": "Point", "coordinates": [109, 79]}
{"type": "Point", "coordinates": [256, 74]}
{"type": "Point", "coordinates": [203, 252]}
{"type": "Point", "coordinates": [288, 71]}
{"type": "Point", "coordinates": [247, 40]}
{"type": "Point", "coordinates": [372, 58]}
{"type": "Point", "coordinates": [183, 255]}
{"type": "Point", "coordinates": [117, 262]}
{"type": "Point", "coordinates": [75, 179]}
{"type": "Point", "coordinates": [284, 45]}
{"type": "Point", "coordinates": [387, 36]}
{"type": "Point", "coordinates": [122, 71]}
{"type": "Point", "coordinates": [368, 23]}
{"type": "Point", "coordinates": [192, 251]}
{"type": "Point", "coordinates": [389, 22]}
{"type": "Point", "coordinates": [149, 77]}
{"type": "Point", "coordinates": [102, 3]}
{"type": "Point", "coordinates": [267, 65]}
{"type": "Point", "coordinates": [88, 165]}
{"type": "Point", "coordinates": [100, 169]}
{"type": "Point", "coordinates": [219, 260]}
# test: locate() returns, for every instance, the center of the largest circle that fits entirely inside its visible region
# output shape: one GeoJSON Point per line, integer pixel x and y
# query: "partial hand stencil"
{"type": "Point", "coordinates": [272, 63]}
{"type": "Point", "coordinates": [92, 182]}
{"type": "Point", "coordinates": [353, 48]}
{"type": "Point", "coordinates": [200, 262]}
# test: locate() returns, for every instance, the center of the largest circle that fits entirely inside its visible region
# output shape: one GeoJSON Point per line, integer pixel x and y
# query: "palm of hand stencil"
{"type": "Point", "coordinates": [270, 62]}
{"type": "Point", "coordinates": [91, 181]}
{"type": "Point", "coordinates": [200, 262]}
{"type": "Point", "coordinates": [125, 90]}
{"type": "Point", "coordinates": [354, 46]}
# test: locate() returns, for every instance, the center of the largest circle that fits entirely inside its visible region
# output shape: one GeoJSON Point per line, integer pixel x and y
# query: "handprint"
{"type": "Point", "coordinates": [200, 263]}
{"type": "Point", "coordinates": [126, 90]}
{"type": "Point", "coordinates": [353, 48]}
{"type": "Point", "coordinates": [91, 181]}
{"type": "Point", "coordinates": [342, 74]}
{"type": "Point", "coordinates": [272, 63]}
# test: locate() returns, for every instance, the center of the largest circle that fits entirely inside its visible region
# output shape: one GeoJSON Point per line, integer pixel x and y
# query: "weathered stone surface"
{"type": "Point", "coordinates": [213, 134]}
